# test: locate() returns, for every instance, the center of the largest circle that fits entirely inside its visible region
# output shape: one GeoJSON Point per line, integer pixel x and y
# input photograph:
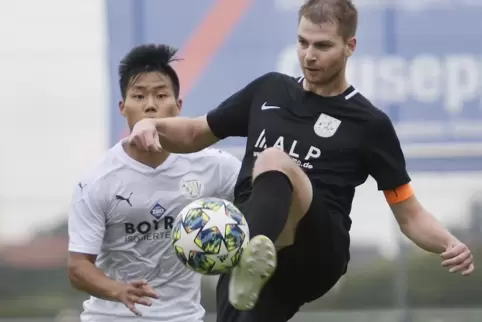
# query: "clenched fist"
{"type": "Point", "coordinates": [144, 136]}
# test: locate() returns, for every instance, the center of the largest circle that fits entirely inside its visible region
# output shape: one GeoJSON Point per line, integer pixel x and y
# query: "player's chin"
{"type": "Point", "coordinates": [314, 79]}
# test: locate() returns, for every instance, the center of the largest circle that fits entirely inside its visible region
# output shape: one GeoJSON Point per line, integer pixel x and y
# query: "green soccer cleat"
{"type": "Point", "coordinates": [255, 268]}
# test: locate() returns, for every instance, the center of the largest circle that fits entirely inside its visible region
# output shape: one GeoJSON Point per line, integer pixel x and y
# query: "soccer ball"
{"type": "Point", "coordinates": [209, 236]}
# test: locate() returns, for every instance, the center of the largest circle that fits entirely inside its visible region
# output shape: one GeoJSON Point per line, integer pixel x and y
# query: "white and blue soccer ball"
{"type": "Point", "coordinates": [209, 236]}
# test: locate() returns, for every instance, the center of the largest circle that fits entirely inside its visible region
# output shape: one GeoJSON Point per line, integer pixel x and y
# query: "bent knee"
{"type": "Point", "coordinates": [273, 159]}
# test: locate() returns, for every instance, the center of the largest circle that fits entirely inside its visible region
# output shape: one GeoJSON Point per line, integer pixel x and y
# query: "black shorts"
{"type": "Point", "coordinates": [306, 270]}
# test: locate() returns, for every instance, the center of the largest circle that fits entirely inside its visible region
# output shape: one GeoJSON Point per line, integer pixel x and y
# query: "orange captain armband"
{"type": "Point", "coordinates": [398, 194]}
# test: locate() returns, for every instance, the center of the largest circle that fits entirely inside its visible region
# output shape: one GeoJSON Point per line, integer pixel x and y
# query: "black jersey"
{"type": "Point", "coordinates": [338, 141]}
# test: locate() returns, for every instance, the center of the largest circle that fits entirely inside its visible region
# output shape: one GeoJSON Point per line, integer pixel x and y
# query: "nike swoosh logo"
{"type": "Point", "coordinates": [268, 107]}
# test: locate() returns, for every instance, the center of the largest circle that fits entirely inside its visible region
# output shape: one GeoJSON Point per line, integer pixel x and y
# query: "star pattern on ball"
{"type": "Point", "coordinates": [185, 241]}
{"type": "Point", "coordinates": [219, 219]}
{"type": "Point", "coordinates": [220, 233]}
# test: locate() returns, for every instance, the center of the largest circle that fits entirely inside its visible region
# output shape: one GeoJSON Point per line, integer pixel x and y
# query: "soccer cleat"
{"type": "Point", "coordinates": [256, 266]}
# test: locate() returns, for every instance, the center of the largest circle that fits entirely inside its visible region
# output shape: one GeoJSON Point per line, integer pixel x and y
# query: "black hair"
{"type": "Point", "coordinates": [145, 59]}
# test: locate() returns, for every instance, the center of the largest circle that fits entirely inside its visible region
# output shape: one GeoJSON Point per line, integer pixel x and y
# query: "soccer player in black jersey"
{"type": "Point", "coordinates": [310, 142]}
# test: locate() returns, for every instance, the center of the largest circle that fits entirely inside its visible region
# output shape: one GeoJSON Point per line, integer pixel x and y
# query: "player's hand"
{"type": "Point", "coordinates": [458, 258]}
{"type": "Point", "coordinates": [137, 292]}
{"type": "Point", "coordinates": [144, 136]}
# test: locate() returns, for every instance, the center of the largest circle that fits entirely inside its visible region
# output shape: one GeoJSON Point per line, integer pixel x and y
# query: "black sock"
{"type": "Point", "coordinates": [269, 204]}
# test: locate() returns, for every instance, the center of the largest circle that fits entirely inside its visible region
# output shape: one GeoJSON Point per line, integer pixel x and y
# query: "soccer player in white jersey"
{"type": "Point", "coordinates": [122, 211]}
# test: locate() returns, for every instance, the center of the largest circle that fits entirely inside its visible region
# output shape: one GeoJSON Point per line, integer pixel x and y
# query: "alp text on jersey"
{"type": "Point", "coordinates": [300, 155]}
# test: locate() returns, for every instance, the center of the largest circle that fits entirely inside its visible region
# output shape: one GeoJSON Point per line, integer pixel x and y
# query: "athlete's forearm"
{"type": "Point", "coordinates": [184, 135]}
{"type": "Point", "coordinates": [427, 232]}
{"type": "Point", "coordinates": [86, 277]}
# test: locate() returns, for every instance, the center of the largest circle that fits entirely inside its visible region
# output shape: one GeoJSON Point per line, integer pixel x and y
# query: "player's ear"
{"type": "Point", "coordinates": [350, 46]}
{"type": "Point", "coordinates": [179, 104]}
{"type": "Point", "coordinates": [122, 108]}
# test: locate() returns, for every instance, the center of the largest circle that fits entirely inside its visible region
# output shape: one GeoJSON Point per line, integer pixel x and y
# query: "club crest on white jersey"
{"type": "Point", "coordinates": [191, 187]}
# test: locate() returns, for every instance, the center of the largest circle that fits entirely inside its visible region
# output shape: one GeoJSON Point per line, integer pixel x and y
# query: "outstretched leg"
{"type": "Point", "coordinates": [281, 196]}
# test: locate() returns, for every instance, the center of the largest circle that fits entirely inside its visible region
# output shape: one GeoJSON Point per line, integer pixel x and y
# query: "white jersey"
{"type": "Point", "coordinates": [123, 212]}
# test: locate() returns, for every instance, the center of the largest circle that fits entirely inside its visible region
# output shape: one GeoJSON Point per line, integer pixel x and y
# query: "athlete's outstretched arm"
{"type": "Point", "coordinates": [180, 134]}
{"type": "Point", "coordinates": [417, 223]}
{"type": "Point", "coordinates": [174, 134]}
{"type": "Point", "coordinates": [186, 135]}
{"type": "Point", "coordinates": [427, 232]}
{"type": "Point", "coordinates": [386, 163]}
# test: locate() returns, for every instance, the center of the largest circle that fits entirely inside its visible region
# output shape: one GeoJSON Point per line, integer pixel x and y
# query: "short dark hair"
{"type": "Point", "coordinates": [342, 12]}
{"type": "Point", "coordinates": [145, 59]}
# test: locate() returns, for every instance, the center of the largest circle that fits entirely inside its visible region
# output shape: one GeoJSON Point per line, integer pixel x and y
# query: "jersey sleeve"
{"type": "Point", "coordinates": [383, 155]}
{"type": "Point", "coordinates": [229, 167]}
{"type": "Point", "coordinates": [87, 220]}
{"type": "Point", "coordinates": [231, 117]}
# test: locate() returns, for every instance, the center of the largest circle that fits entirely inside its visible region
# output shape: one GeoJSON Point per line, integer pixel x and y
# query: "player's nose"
{"type": "Point", "coordinates": [150, 106]}
{"type": "Point", "coordinates": [310, 55]}
{"type": "Point", "coordinates": [150, 109]}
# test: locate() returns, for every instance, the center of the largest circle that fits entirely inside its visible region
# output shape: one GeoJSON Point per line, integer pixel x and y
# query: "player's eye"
{"type": "Point", "coordinates": [138, 96]}
{"type": "Point", "coordinates": [323, 46]}
{"type": "Point", "coordinates": [161, 96]}
{"type": "Point", "coordinates": [303, 42]}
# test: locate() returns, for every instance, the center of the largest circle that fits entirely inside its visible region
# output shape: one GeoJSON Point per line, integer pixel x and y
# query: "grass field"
{"type": "Point", "coordinates": [431, 315]}
{"type": "Point", "coordinates": [420, 315]}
